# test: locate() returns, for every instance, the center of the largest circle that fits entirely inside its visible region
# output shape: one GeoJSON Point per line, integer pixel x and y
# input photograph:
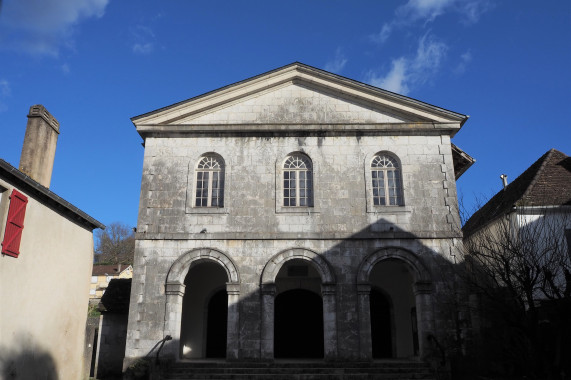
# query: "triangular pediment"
{"type": "Point", "coordinates": [295, 95]}
{"type": "Point", "coordinates": [295, 103]}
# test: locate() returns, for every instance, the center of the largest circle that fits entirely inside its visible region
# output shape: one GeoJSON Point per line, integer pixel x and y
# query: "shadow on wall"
{"type": "Point", "coordinates": [28, 361]}
{"type": "Point", "coordinates": [346, 277]}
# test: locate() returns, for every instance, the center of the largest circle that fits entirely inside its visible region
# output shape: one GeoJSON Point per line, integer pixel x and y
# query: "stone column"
{"type": "Point", "coordinates": [174, 292]}
{"type": "Point", "coordinates": [364, 309]}
{"type": "Point", "coordinates": [329, 321]}
{"type": "Point", "coordinates": [233, 326]}
{"type": "Point", "coordinates": [424, 314]}
{"type": "Point", "coordinates": [267, 345]}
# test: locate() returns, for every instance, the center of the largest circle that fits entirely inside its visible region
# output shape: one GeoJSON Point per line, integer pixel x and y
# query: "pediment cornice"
{"type": "Point", "coordinates": [188, 116]}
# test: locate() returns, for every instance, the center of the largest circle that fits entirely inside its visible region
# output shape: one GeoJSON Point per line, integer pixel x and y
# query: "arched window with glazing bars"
{"type": "Point", "coordinates": [298, 181]}
{"type": "Point", "coordinates": [387, 183]}
{"type": "Point", "coordinates": [210, 182]}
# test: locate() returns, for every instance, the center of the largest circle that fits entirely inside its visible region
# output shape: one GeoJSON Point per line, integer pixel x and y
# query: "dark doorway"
{"type": "Point", "coordinates": [381, 329]}
{"type": "Point", "coordinates": [216, 325]}
{"type": "Point", "coordinates": [298, 327]}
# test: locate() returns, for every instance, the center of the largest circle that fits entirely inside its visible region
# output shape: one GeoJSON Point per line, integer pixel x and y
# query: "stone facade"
{"type": "Point", "coordinates": [257, 244]}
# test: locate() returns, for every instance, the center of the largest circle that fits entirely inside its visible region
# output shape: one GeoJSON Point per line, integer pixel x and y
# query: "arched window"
{"type": "Point", "coordinates": [210, 182]}
{"type": "Point", "coordinates": [298, 181]}
{"type": "Point", "coordinates": [387, 185]}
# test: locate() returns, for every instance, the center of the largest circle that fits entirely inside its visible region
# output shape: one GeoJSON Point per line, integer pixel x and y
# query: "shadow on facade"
{"type": "Point", "coordinates": [112, 331]}
{"type": "Point", "coordinates": [28, 361]}
{"type": "Point", "coordinates": [404, 318]}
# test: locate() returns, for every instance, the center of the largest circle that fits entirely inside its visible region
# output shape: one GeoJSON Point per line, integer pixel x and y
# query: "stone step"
{"type": "Point", "coordinates": [314, 370]}
{"type": "Point", "coordinates": [397, 370]}
{"type": "Point", "coordinates": [299, 377]}
{"type": "Point", "coordinates": [300, 364]}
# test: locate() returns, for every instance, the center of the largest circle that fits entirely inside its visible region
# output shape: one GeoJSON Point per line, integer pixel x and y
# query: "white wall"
{"type": "Point", "coordinates": [44, 294]}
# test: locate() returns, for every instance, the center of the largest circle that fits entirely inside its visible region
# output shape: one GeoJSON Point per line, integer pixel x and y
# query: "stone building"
{"type": "Point", "coordinates": [101, 276]}
{"type": "Point", "coordinates": [294, 214]}
{"type": "Point", "coordinates": [45, 265]}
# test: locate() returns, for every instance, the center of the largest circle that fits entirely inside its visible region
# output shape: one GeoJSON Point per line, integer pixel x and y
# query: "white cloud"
{"type": "Point", "coordinates": [338, 63]}
{"type": "Point", "coordinates": [65, 68]}
{"type": "Point", "coordinates": [396, 78]}
{"type": "Point", "coordinates": [143, 48]}
{"type": "Point", "coordinates": [473, 10]}
{"type": "Point", "coordinates": [383, 35]}
{"type": "Point", "coordinates": [465, 59]}
{"type": "Point", "coordinates": [5, 91]}
{"type": "Point", "coordinates": [42, 27]}
{"type": "Point", "coordinates": [144, 39]}
{"type": "Point", "coordinates": [428, 59]}
{"type": "Point", "coordinates": [409, 72]}
{"type": "Point", "coordinates": [426, 11]}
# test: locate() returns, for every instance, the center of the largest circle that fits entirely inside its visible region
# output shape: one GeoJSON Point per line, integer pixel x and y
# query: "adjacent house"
{"type": "Point", "coordinates": [102, 275]}
{"type": "Point", "coordinates": [295, 214]}
{"type": "Point", "coordinates": [518, 251]}
{"type": "Point", "coordinates": [536, 206]}
{"type": "Point", "coordinates": [46, 261]}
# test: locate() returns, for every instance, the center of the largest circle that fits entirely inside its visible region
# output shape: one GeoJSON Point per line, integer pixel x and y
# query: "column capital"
{"type": "Point", "coordinates": [364, 288]}
{"type": "Point", "coordinates": [269, 289]}
{"type": "Point", "coordinates": [174, 288]}
{"type": "Point", "coordinates": [328, 289]}
{"type": "Point", "coordinates": [233, 288]}
{"type": "Point", "coordinates": [422, 287]}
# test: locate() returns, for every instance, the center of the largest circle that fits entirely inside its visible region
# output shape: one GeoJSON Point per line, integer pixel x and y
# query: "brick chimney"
{"type": "Point", "coordinates": [38, 152]}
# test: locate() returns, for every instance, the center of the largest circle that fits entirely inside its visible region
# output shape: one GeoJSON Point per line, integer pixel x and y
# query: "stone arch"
{"type": "Point", "coordinates": [422, 290]}
{"type": "Point", "coordinates": [418, 269]}
{"type": "Point", "coordinates": [180, 267]}
{"type": "Point", "coordinates": [274, 265]}
{"type": "Point", "coordinates": [175, 289]}
{"type": "Point", "coordinates": [328, 290]}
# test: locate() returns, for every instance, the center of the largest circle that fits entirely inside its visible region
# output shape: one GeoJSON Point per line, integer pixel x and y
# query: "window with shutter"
{"type": "Point", "coordinates": [14, 224]}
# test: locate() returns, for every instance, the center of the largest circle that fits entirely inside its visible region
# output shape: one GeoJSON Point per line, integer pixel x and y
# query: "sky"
{"type": "Point", "coordinates": [94, 64]}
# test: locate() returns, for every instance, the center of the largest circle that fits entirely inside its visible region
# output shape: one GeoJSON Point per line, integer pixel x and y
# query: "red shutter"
{"type": "Point", "coordinates": [14, 224]}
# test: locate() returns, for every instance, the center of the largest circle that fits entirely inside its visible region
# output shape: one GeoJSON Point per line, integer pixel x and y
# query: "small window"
{"type": "Point", "coordinates": [298, 181]}
{"type": "Point", "coordinates": [94, 279]}
{"type": "Point", "coordinates": [386, 181]}
{"type": "Point", "coordinates": [92, 292]}
{"type": "Point", "coordinates": [210, 182]}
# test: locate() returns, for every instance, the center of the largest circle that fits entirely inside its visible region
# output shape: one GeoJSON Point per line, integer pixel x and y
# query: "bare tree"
{"type": "Point", "coordinates": [115, 244]}
{"type": "Point", "coordinates": [519, 265]}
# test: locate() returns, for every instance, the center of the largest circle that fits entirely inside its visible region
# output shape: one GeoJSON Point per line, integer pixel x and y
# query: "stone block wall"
{"type": "Point", "coordinates": [343, 228]}
{"type": "Point", "coordinates": [252, 194]}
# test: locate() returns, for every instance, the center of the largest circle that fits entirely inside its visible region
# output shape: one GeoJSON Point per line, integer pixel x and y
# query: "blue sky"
{"type": "Point", "coordinates": [95, 64]}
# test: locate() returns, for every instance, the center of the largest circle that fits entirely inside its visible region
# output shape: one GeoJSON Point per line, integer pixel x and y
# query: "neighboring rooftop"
{"type": "Point", "coordinates": [545, 183]}
{"type": "Point", "coordinates": [109, 270]}
{"type": "Point", "coordinates": [46, 196]}
{"type": "Point", "coordinates": [116, 297]}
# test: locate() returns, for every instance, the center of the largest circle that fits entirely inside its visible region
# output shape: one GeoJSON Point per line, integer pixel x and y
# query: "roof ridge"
{"type": "Point", "coordinates": [34, 187]}
{"type": "Point", "coordinates": [302, 67]}
{"type": "Point", "coordinates": [546, 156]}
{"type": "Point", "coordinates": [517, 192]}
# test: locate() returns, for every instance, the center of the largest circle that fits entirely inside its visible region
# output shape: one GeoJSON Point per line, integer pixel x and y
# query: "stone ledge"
{"type": "Point", "coordinates": [295, 235]}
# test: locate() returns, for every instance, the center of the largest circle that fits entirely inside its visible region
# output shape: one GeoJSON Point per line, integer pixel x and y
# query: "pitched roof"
{"type": "Point", "coordinates": [545, 183]}
{"type": "Point", "coordinates": [462, 161]}
{"type": "Point", "coordinates": [46, 196]}
{"type": "Point", "coordinates": [103, 270]}
{"type": "Point", "coordinates": [180, 117]}
{"type": "Point", "coordinates": [116, 297]}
